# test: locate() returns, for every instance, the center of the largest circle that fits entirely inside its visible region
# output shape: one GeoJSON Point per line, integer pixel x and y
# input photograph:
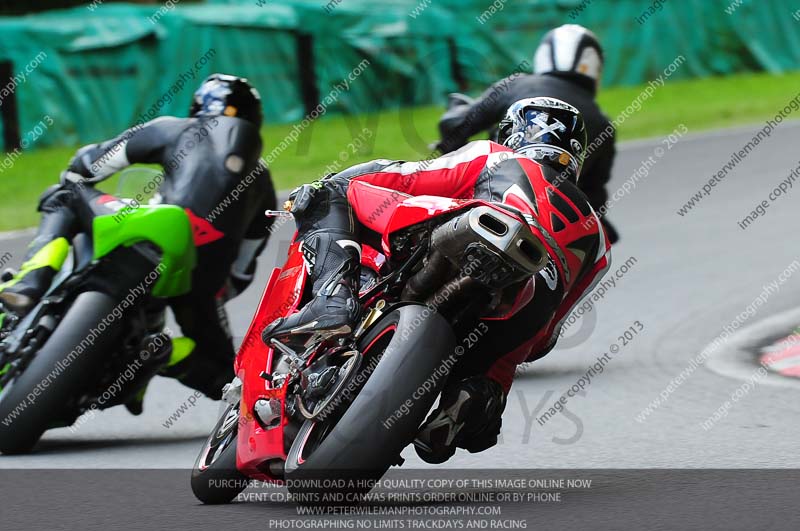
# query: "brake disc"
{"type": "Point", "coordinates": [335, 387]}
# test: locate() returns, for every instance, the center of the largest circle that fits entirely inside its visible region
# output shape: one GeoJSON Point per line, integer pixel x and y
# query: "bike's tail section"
{"type": "Point", "coordinates": [167, 227]}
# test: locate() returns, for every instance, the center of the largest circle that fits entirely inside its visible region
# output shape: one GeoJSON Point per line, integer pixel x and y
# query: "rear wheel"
{"type": "Point", "coordinates": [35, 399]}
{"type": "Point", "coordinates": [402, 373]}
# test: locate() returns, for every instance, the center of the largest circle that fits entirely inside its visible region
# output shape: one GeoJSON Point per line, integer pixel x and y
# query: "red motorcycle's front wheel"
{"type": "Point", "coordinates": [401, 374]}
{"type": "Point", "coordinates": [215, 478]}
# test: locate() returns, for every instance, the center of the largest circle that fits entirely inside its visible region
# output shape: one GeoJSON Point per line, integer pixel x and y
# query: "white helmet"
{"type": "Point", "coordinates": [570, 49]}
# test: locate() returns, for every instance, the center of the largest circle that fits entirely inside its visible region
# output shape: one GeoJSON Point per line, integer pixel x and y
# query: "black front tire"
{"type": "Point", "coordinates": [215, 478]}
{"type": "Point", "coordinates": [57, 374]}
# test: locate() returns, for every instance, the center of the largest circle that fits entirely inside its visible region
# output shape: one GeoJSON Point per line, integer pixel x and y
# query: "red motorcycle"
{"type": "Point", "coordinates": [432, 269]}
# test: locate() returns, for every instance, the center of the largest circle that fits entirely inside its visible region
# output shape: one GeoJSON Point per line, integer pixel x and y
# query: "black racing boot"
{"type": "Point", "coordinates": [24, 292]}
{"type": "Point", "coordinates": [335, 275]}
{"type": "Point", "coordinates": [204, 375]}
{"type": "Point", "coordinates": [469, 416]}
{"type": "Point", "coordinates": [24, 289]}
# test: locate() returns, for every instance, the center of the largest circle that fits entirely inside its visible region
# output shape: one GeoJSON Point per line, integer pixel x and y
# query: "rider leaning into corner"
{"type": "Point", "coordinates": [533, 170]}
{"type": "Point", "coordinates": [196, 179]}
{"type": "Point", "coordinates": [568, 65]}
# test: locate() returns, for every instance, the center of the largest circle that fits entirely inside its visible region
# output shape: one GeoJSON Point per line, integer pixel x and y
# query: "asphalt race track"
{"type": "Point", "coordinates": [691, 276]}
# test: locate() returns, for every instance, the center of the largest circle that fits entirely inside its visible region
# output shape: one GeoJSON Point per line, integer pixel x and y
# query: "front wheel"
{"type": "Point", "coordinates": [37, 397]}
{"type": "Point", "coordinates": [215, 478]}
{"type": "Point", "coordinates": [406, 360]}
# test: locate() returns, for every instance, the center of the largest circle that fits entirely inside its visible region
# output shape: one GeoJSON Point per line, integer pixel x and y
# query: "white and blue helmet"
{"type": "Point", "coordinates": [547, 130]}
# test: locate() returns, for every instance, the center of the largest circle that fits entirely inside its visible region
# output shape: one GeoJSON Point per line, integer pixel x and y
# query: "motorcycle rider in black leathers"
{"type": "Point", "coordinates": [204, 158]}
{"type": "Point", "coordinates": [568, 65]}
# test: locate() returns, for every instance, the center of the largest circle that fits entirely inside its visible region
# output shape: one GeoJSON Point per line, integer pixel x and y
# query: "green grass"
{"type": "Point", "coordinates": [404, 134]}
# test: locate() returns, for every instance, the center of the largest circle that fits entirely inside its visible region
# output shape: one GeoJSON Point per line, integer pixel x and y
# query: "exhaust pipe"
{"type": "Point", "coordinates": [491, 246]}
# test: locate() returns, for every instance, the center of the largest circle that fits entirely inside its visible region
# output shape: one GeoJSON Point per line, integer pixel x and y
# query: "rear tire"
{"type": "Point", "coordinates": [371, 434]}
{"type": "Point", "coordinates": [57, 371]}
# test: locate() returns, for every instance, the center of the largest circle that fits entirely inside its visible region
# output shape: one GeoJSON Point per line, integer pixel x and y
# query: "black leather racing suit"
{"type": "Point", "coordinates": [463, 121]}
{"type": "Point", "coordinates": [204, 160]}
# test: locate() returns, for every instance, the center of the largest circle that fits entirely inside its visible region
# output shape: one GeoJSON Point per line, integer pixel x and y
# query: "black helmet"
{"type": "Point", "coordinates": [548, 131]}
{"type": "Point", "coordinates": [221, 94]}
{"type": "Point", "coordinates": [573, 51]}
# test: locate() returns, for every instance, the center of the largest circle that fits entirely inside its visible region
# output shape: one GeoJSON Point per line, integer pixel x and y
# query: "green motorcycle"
{"type": "Point", "coordinates": [95, 339]}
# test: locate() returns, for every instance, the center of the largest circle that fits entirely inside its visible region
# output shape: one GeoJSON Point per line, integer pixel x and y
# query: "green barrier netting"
{"type": "Point", "coordinates": [257, 44]}
{"type": "Point", "coordinates": [101, 71]}
{"type": "Point", "coordinates": [82, 72]}
{"type": "Point", "coordinates": [111, 68]}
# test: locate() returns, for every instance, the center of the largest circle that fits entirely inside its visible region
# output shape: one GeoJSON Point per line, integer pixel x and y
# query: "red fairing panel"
{"type": "Point", "coordinates": [250, 347]}
{"type": "Point", "coordinates": [372, 258]}
{"type": "Point", "coordinates": [281, 297]}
